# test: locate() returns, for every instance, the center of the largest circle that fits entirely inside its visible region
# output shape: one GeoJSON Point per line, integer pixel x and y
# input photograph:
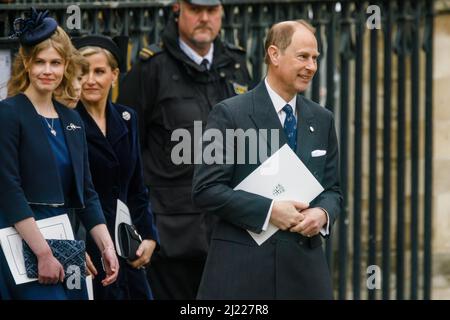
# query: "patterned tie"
{"type": "Point", "coordinates": [290, 127]}
{"type": "Point", "coordinates": [204, 65]}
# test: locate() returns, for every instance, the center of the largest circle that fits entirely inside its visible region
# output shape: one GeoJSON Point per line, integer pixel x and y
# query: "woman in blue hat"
{"type": "Point", "coordinates": [115, 161]}
{"type": "Point", "coordinates": [44, 170]}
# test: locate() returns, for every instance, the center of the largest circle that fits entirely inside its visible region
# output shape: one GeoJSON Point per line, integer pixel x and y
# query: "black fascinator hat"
{"type": "Point", "coordinates": [34, 29]}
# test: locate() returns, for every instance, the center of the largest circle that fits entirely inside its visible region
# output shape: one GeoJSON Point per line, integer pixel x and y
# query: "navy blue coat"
{"type": "Point", "coordinates": [115, 163]}
{"type": "Point", "coordinates": [29, 176]}
{"type": "Point", "coordinates": [116, 168]}
{"type": "Point", "coordinates": [28, 171]}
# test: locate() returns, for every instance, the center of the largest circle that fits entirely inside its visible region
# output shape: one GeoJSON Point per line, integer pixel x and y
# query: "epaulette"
{"type": "Point", "coordinates": [150, 51]}
{"type": "Point", "coordinates": [234, 47]}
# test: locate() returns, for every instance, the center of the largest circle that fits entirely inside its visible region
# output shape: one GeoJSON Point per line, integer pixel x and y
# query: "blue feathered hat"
{"type": "Point", "coordinates": [35, 29]}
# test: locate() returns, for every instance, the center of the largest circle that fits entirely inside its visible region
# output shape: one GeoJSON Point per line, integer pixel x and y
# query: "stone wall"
{"type": "Point", "coordinates": [441, 153]}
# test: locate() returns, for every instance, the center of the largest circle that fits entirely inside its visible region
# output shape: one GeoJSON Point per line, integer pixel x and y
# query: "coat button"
{"type": "Point", "coordinates": [237, 65]}
{"type": "Point", "coordinates": [175, 77]}
{"type": "Point", "coordinates": [222, 74]}
{"type": "Point", "coordinates": [301, 242]}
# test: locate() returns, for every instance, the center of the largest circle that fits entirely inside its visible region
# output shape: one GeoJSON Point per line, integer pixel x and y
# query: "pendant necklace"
{"type": "Point", "coordinates": [52, 131]}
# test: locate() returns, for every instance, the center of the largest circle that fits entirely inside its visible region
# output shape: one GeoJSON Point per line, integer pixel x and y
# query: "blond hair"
{"type": "Point", "coordinates": [20, 81]}
{"type": "Point", "coordinates": [280, 35]}
{"type": "Point", "coordinates": [77, 62]}
{"type": "Point", "coordinates": [91, 50]}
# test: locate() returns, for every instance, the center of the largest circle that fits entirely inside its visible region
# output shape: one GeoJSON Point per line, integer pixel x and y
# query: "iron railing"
{"type": "Point", "coordinates": [381, 94]}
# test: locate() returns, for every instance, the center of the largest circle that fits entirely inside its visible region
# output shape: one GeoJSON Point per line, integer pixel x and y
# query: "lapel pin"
{"type": "Point", "coordinates": [72, 127]}
{"type": "Point", "coordinates": [126, 115]}
{"type": "Point", "coordinates": [311, 129]}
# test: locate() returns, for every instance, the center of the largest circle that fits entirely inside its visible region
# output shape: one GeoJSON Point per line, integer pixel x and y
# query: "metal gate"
{"type": "Point", "coordinates": [378, 83]}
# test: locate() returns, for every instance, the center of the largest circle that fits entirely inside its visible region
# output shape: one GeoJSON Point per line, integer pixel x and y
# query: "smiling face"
{"type": "Point", "coordinates": [98, 81]}
{"type": "Point", "coordinates": [293, 68]}
{"type": "Point", "coordinates": [46, 70]}
{"type": "Point", "coordinates": [199, 25]}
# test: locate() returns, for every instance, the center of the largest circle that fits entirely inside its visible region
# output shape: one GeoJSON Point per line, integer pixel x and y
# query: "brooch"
{"type": "Point", "coordinates": [126, 115]}
{"type": "Point", "coordinates": [72, 127]}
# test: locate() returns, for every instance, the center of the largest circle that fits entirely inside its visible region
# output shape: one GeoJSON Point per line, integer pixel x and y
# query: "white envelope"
{"type": "Point", "coordinates": [283, 176]}
{"type": "Point", "coordinates": [90, 288]}
{"type": "Point", "coordinates": [57, 227]}
{"type": "Point", "coordinates": [122, 215]}
{"type": "Point", "coordinates": [318, 153]}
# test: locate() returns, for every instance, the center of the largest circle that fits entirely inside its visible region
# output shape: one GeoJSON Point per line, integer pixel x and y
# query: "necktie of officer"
{"type": "Point", "coordinates": [204, 65]}
{"type": "Point", "coordinates": [290, 127]}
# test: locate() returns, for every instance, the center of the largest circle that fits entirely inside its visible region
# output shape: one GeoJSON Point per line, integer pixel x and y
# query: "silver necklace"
{"type": "Point", "coordinates": [52, 131]}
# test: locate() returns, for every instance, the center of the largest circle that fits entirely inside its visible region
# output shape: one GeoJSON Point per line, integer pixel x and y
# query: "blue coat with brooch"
{"type": "Point", "coordinates": [116, 167]}
{"type": "Point", "coordinates": [27, 166]}
{"type": "Point", "coordinates": [31, 182]}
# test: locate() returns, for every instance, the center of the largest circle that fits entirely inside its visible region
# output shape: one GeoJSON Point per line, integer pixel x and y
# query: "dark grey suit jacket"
{"type": "Point", "coordinates": [287, 266]}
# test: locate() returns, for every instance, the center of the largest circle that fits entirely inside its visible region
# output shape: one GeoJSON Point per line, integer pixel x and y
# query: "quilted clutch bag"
{"type": "Point", "coordinates": [69, 253]}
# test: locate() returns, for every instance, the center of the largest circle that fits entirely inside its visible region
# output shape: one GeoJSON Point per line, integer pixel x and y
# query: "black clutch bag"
{"type": "Point", "coordinates": [129, 241]}
{"type": "Point", "coordinates": [70, 253]}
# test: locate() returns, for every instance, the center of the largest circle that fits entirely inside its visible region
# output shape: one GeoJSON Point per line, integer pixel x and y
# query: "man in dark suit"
{"type": "Point", "coordinates": [291, 264]}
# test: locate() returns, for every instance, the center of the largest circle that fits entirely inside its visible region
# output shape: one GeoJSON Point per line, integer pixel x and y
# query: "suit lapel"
{"type": "Point", "coordinates": [115, 125]}
{"type": "Point", "coordinates": [94, 134]}
{"type": "Point", "coordinates": [265, 117]}
{"type": "Point", "coordinates": [34, 122]}
{"type": "Point", "coordinates": [306, 129]}
{"type": "Point", "coordinates": [45, 160]}
{"type": "Point", "coordinates": [72, 128]}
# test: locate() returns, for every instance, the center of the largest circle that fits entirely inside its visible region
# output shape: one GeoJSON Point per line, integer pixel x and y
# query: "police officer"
{"type": "Point", "coordinates": [172, 85]}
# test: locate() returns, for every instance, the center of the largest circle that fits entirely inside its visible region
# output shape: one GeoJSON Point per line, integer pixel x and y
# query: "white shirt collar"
{"type": "Point", "coordinates": [277, 101]}
{"type": "Point", "coordinates": [194, 55]}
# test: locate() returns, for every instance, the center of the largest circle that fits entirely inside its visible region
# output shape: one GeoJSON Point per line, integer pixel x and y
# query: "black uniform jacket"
{"type": "Point", "coordinates": [171, 92]}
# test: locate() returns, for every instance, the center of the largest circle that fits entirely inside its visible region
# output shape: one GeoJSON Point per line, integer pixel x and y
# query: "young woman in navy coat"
{"type": "Point", "coordinates": [44, 169]}
{"type": "Point", "coordinates": [115, 161]}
